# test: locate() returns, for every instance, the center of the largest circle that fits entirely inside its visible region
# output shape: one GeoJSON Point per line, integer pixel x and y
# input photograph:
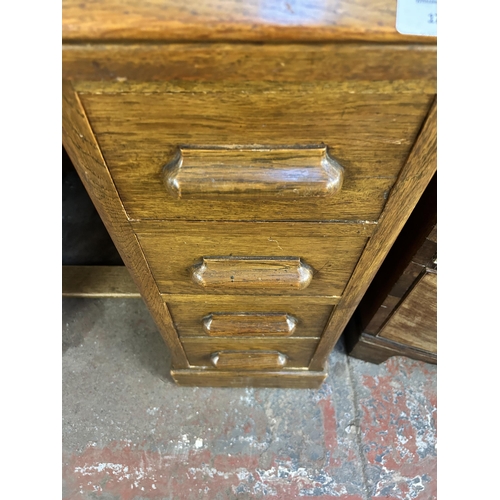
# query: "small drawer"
{"type": "Point", "coordinates": [255, 151]}
{"type": "Point", "coordinates": [252, 354]}
{"type": "Point", "coordinates": [249, 316]}
{"type": "Point", "coordinates": [252, 258]}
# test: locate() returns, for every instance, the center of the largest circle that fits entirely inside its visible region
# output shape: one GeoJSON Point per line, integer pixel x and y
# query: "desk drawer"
{"type": "Point", "coordinates": [249, 316]}
{"type": "Point", "coordinates": [265, 258]}
{"type": "Point", "coordinates": [368, 134]}
{"type": "Point", "coordinates": [256, 354]}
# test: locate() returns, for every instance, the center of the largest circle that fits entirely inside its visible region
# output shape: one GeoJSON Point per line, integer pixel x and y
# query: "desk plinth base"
{"type": "Point", "coordinates": [293, 379]}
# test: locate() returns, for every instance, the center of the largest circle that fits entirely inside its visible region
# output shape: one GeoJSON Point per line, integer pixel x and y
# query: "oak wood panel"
{"type": "Point", "coordinates": [331, 250]}
{"type": "Point", "coordinates": [252, 300]}
{"type": "Point", "coordinates": [252, 173]}
{"type": "Point", "coordinates": [356, 66]}
{"type": "Point", "coordinates": [85, 154]}
{"type": "Point", "coordinates": [247, 324]}
{"type": "Point", "coordinates": [252, 20]}
{"type": "Point", "coordinates": [414, 322]}
{"type": "Point", "coordinates": [405, 264]}
{"type": "Point", "coordinates": [383, 312]}
{"type": "Point", "coordinates": [298, 351]}
{"type": "Point", "coordinates": [249, 360]}
{"type": "Point", "coordinates": [188, 312]}
{"type": "Point", "coordinates": [407, 279]}
{"type": "Point", "coordinates": [98, 281]}
{"type": "Point", "coordinates": [121, 85]}
{"type": "Point", "coordinates": [262, 273]}
{"type": "Point", "coordinates": [414, 178]}
{"type": "Point", "coordinates": [398, 271]}
{"type": "Point", "coordinates": [293, 379]}
{"type": "Point", "coordinates": [370, 135]}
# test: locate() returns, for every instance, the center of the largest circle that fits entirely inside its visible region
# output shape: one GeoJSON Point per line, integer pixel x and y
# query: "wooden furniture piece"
{"type": "Point", "coordinates": [253, 163]}
{"type": "Point", "coordinates": [398, 313]}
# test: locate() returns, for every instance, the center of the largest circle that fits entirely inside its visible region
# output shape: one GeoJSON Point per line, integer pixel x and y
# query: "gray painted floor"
{"type": "Point", "coordinates": [130, 433]}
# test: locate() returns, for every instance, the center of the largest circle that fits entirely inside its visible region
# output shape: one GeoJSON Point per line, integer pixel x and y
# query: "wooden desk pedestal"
{"type": "Point", "coordinates": [253, 188]}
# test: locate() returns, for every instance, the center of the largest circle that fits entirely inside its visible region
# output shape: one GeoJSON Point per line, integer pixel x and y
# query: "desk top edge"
{"type": "Point", "coordinates": [233, 21]}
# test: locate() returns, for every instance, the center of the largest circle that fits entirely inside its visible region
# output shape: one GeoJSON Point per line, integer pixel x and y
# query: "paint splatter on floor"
{"type": "Point", "coordinates": [129, 433]}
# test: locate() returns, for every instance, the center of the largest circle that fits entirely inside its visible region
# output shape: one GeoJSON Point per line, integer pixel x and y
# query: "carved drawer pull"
{"type": "Point", "coordinates": [274, 273]}
{"type": "Point", "coordinates": [249, 324]}
{"type": "Point", "coordinates": [248, 360]}
{"type": "Point", "coordinates": [275, 172]}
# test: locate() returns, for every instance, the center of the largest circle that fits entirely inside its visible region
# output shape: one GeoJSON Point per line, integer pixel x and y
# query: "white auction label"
{"type": "Point", "coordinates": [417, 17]}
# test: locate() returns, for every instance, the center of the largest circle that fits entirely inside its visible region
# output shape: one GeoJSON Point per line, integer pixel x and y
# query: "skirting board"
{"type": "Point", "coordinates": [98, 282]}
{"type": "Point", "coordinates": [300, 379]}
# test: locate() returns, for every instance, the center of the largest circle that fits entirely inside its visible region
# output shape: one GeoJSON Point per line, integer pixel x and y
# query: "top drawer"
{"type": "Point", "coordinates": [368, 134]}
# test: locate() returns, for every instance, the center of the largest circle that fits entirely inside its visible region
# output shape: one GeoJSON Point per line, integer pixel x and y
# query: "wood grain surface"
{"type": "Point", "coordinates": [414, 177]}
{"type": "Point", "coordinates": [292, 379]}
{"type": "Point", "coordinates": [259, 301]}
{"type": "Point", "coordinates": [414, 322]}
{"type": "Point", "coordinates": [384, 311]}
{"type": "Point", "coordinates": [82, 148]}
{"type": "Point", "coordinates": [412, 273]}
{"type": "Point", "coordinates": [252, 20]}
{"type": "Point", "coordinates": [298, 351]}
{"type": "Point", "coordinates": [405, 262]}
{"type": "Point", "coordinates": [373, 68]}
{"type": "Point", "coordinates": [189, 312]}
{"type": "Point", "coordinates": [331, 250]}
{"type": "Point", "coordinates": [370, 135]}
{"type": "Point", "coordinates": [377, 350]}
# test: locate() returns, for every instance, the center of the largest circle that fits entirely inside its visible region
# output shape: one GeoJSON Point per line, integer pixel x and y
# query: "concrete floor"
{"type": "Point", "coordinates": [129, 433]}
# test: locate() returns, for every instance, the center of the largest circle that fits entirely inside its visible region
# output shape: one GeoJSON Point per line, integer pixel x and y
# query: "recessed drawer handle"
{"type": "Point", "coordinates": [271, 172]}
{"type": "Point", "coordinates": [273, 273]}
{"type": "Point", "coordinates": [248, 360]}
{"type": "Point", "coordinates": [243, 324]}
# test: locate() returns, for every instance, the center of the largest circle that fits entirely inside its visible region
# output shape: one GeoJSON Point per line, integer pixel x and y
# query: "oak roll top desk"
{"type": "Point", "coordinates": [253, 163]}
